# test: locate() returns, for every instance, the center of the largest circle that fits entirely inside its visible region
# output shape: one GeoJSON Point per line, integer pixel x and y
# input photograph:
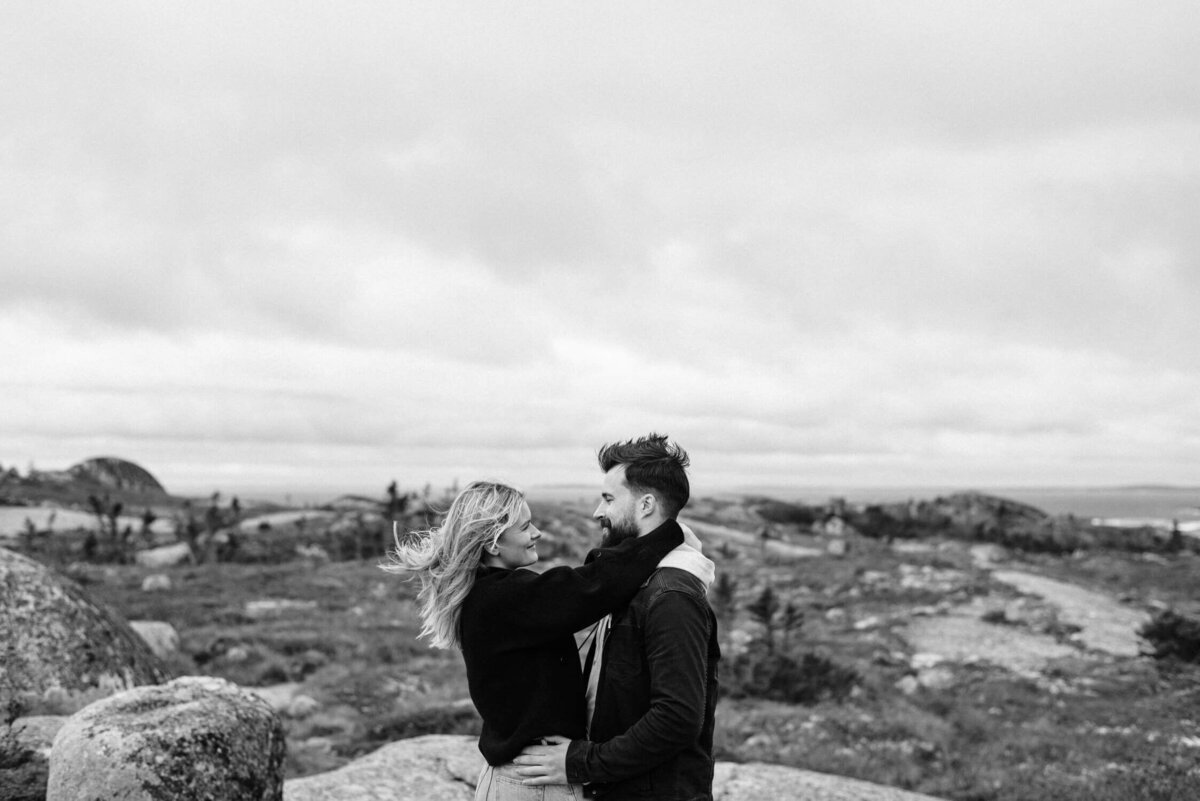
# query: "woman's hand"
{"type": "Point", "coordinates": [544, 764]}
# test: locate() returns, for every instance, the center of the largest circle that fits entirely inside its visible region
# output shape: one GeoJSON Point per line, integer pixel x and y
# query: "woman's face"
{"type": "Point", "coordinates": [517, 546]}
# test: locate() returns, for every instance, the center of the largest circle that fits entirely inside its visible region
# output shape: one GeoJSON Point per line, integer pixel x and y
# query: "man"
{"type": "Point", "coordinates": [655, 680]}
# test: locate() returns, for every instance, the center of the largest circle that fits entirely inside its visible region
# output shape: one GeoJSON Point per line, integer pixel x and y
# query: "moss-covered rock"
{"type": "Point", "coordinates": [59, 649]}
{"type": "Point", "coordinates": [193, 739]}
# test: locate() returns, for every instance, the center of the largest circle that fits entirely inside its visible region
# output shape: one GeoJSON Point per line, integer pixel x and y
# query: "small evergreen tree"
{"type": "Point", "coordinates": [791, 620]}
{"type": "Point", "coordinates": [763, 610]}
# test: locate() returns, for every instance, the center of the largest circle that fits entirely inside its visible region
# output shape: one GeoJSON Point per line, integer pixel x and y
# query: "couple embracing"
{"type": "Point", "coordinates": [629, 713]}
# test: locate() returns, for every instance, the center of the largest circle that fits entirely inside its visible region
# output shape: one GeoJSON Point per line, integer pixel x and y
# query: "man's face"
{"type": "Point", "coordinates": [615, 512]}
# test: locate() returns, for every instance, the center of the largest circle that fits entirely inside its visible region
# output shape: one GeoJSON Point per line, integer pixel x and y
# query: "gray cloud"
{"type": "Point", "coordinates": [844, 237]}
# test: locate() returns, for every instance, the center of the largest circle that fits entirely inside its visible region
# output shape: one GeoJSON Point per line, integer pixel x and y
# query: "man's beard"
{"type": "Point", "coordinates": [616, 532]}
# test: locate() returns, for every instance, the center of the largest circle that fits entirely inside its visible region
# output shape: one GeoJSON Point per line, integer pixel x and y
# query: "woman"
{"type": "Point", "coordinates": [516, 627]}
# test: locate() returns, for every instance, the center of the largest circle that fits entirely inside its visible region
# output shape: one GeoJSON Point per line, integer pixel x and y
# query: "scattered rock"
{"type": "Point", "coordinates": [271, 607]}
{"type": "Point", "coordinates": [38, 731]}
{"type": "Point", "coordinates": [314, 553]}
{"type": "Point", "coordinates": [912, 546]}
{"type": "Point", "coordinates": [236, 654]}
{"type": "Point", "coordinates": [936, 678]}
{"type": "Point", "coordinates": [930, 578]}
{"type": "Point", "coordinates": [836, 547]}
{"type": "Point", "coordinates": [323, 744]}
{"type": "Point", "coordinates": [162, 637]}
{"type": "Point", "coordinates": [908, 684]}
{"type": "Point", "coordinates": [301, 706]}
{"type": "Point", "coordinates": [58, 645]}
{"type": "Point", "coordinates": [739, 642]}
{"type": "Point", "coordinates": [925, 660]}
{"type": "Point", "coordinates": [194, 738]}
{"type": "Point", "coordinates": [986, 555]}
{"type": "Point", "coordinates": [25, 756]}
{"type": "Point", "coordinates": [871, 622]}
{"type": "Point", "coordinates": [164, 556]}
{"type": "Point", "coordinates": [156, 582]}
{"type": "Point", "coordinates": [277, 696]}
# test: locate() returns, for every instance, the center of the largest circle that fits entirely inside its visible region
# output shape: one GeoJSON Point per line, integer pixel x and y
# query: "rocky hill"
{"type": "Point", "coordinates": [119, 479]}
{"type": "Point", "coordinates": [111, 472]}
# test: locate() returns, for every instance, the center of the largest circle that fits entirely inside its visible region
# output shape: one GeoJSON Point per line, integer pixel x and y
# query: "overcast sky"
{"type": "Point", "coordinates": [296, 245]}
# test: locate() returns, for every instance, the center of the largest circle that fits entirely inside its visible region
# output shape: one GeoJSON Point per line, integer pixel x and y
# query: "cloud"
{"type": "Point", "coordinates": [855, 240]}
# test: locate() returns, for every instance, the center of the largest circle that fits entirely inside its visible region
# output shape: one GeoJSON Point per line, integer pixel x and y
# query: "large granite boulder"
{"type": "Point", "coordinates": [436, 767]}
{"type": "Point", "coordinates": [59, 649]}
{"type": "Point", "coordinates": [754, 780]}
{"type": "Point", "coordinates": [442, 767]}
{"type": "Point", "coordinates": [196, 738]}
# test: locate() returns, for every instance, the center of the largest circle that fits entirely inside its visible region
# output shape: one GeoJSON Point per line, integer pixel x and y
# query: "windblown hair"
{"type": "Point", "coordinates": [445, 558]}
{"type": "Point", "coordinates": [652, 464]}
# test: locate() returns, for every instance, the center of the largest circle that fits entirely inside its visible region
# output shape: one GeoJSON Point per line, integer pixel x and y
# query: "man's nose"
{"type": "Point", "coordinates": [598, 514]}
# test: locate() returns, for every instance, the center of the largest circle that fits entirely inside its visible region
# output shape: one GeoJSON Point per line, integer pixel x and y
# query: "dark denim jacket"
{"type": "Point", "coordinates": [652, 734]}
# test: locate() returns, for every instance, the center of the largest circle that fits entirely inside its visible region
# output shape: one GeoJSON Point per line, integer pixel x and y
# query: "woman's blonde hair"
{"type": "Point", "coordinates": [445, 558]}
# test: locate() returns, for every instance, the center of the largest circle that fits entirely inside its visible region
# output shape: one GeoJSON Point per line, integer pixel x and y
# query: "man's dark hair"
{"type": "Point", "coordinates": [652, 464]}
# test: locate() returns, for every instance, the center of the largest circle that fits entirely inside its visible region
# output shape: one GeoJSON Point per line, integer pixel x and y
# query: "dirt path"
{"type": "Point", "coordinates": [963, 636]}
{"type": "Point", "coordinates": [1105, 625]}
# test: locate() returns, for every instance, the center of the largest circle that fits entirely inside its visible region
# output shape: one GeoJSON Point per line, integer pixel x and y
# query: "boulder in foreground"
{"type": "Point", "coordinates": [442, 767]}
{"type": "Point", "coordinates": [59, 649]}
{"type": "Point", "coordinates": [196, 738]}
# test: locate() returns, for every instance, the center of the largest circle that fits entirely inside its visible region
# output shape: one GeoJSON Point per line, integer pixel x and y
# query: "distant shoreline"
{"type": "Point", "coordinates": [1142, 502]}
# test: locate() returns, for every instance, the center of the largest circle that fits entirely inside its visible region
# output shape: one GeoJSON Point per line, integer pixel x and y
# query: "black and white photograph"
{"type": "Point", "coordinates": [533, 401]}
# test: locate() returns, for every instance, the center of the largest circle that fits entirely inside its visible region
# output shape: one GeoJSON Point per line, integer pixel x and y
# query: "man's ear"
{"type": "Point", "coordinates": [646, 505]}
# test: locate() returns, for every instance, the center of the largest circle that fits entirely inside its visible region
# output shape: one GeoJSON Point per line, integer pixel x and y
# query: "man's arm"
{"type": "Point", "coordinates": [676, 640]}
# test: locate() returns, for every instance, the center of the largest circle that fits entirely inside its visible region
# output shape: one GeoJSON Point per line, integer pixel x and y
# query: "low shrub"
{"type": "Point", "coordinates": [1173, 636]}
{"type": "Point", "coordinates": [774, 511]}
{"type": "Point", "coordinates": [759, 673]}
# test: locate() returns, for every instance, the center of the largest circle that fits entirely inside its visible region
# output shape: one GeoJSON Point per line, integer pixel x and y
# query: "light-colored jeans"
{"type": "Point", "coordinates": [501, 783]}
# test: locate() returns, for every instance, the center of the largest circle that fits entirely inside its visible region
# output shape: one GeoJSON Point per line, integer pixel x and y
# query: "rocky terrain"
{"type": "Point", "coordinates": [948, 647]}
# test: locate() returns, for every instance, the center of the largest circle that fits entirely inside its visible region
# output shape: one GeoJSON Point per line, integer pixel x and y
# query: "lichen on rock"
{"type": "Point", "coordinates": [192, 739]}
{"type": "Point", "coordinates": [59, 649]}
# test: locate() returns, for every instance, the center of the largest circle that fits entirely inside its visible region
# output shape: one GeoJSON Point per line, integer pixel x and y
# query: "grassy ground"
{"type": "Point", "coordinates": [1086, 727]}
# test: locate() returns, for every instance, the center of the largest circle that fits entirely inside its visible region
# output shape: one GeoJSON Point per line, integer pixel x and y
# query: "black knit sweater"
{"type": "Point", "coordinates": [519, 646]}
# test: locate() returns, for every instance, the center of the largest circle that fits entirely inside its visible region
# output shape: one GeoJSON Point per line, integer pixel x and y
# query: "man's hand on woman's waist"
{"type": "Point", "coordinates": [544, 764]}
